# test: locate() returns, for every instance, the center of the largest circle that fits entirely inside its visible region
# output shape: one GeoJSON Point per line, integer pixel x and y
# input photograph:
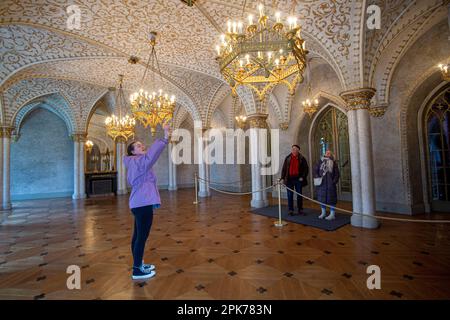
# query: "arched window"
{"type": "Point", "coordinates": [437, 124]}
{"type": "Point", "coordinates": [331, 132]}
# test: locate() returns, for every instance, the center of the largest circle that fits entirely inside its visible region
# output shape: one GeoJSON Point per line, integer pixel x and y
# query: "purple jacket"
{"type": "Point", "coordinates": [141, 177]}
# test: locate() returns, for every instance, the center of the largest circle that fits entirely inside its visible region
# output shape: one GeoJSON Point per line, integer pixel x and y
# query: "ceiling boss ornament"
{"type": "Point", "coordinates": [155, 107]}
{"type": "Point", "coordinates": [262, 54]}
{"type": "Point", "coordinates": [118, 126]}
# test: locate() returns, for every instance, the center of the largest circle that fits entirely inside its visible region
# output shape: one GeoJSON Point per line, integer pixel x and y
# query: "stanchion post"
{"type": "Point", "coordinates": [279, 223]}
{"type": "Point", "coordinates": [196, 188]}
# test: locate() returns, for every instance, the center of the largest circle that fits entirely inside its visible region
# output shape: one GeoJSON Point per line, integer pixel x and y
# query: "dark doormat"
{"type": "Point", "coordinates": [309, 219]}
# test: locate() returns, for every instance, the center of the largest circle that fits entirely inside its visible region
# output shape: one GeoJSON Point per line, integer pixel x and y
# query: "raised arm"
{"type": "Point", "coordinates": [154, 152]}
{"type": "Point", "coordinates": [156, 149]}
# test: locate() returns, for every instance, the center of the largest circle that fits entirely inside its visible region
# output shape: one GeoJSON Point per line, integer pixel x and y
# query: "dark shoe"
{"type": "Point", "coordinates": [141, 274]}
{"type": "Point", "coordinates": [291, 213]}
{"type": "Point", "coordinates": [301, 213]}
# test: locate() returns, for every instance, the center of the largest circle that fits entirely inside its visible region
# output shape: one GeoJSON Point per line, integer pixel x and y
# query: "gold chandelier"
{"type": "Point", "coordinates": [152, 108]}
{"type": "Point", "coordinates": [262, 54]}
{"type": "Point", "coordinates": [120, 126]}
{"type": "Point", "coordinates": [89, 145]}
{"type": "Point", "coordinates": [310, 106]}
{"type": "Point", "coordinates": [445, 70]}
{"type": "Point", "coordinates": [241, 121]}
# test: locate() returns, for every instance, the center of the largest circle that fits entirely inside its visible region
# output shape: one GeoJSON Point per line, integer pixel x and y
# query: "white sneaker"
{"type": "Point", "coordinates": [140, 274]}
{"type": "Point", "coordinates": [330, 217]}
{"type": "Point", "coordinates": [322, 215]}
{"type": "Point", "coordinates": [148, 267]}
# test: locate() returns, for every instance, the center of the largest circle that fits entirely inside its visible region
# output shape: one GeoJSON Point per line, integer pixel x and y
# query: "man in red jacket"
{"type": "Point", "coordinates": [294, 174]}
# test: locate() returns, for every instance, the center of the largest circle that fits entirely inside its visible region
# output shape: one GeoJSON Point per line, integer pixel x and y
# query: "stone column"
{"type": "Point", "coordinates": [121, 171]}
{"type": "Point", "coordinates": [172, 168]}
{"type": "Point", "coordinates": [356, 220]}
{"type": "Point", "coordinates": [5, 134]}
{"type": "Point", "coordinates": [203, 166]}
{"type": "Point", "coordinates": [82, 147]}
{"type": "Point", "coordinates": [363, 184]}
{"type": "Point", "coordinates": [257, 122]}
{"type": "Point", "coordinates": [79, 189]}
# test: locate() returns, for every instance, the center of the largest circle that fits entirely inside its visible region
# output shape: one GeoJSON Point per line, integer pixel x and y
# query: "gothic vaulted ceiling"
{"type": "Point", "coordinates": [37, 47]}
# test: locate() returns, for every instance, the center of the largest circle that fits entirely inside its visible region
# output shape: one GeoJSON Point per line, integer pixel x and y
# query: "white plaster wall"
{"type": "Point", "coordinates": [390, 180]}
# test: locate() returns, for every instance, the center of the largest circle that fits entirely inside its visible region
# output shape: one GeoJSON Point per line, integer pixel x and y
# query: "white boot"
{"type": "Point", "coordinates": [331, 216]}
{"type": "Point", "coordinates": [324, 213]}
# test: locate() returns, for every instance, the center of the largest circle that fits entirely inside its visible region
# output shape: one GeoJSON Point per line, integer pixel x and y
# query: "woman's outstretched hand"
{"type": "Point", "coordinates": [166, 128]}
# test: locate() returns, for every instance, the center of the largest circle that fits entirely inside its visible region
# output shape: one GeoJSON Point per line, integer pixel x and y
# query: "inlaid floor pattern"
{"type": "Point", "coordinates": [216, 250]}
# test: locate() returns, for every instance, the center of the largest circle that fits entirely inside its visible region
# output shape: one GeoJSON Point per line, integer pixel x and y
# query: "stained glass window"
{"type": "Point", "coordinates": [332, 131]}
{"type": "Point", "coordinates": [438, 141]}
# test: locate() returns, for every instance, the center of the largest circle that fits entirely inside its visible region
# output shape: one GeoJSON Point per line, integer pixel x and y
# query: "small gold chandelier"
{"type": "Point", "coordinates": [241, 121]}
{"type": "Point", "coordinates": [445, 70]}
{"type": "Point", "coordinates": [89, 145]}
{"type": "Point", "coordinates": [152, 108]}
{"type": "Point", "coordinates": [263, 54]}
{"type": "Point", "coordinates": [120, 126]}
{"type": "Point", "coordinates": [310, 106]}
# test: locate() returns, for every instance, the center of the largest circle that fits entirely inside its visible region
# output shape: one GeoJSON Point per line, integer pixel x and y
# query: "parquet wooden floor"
{"type": "Point", "coordinates": [216, 250]}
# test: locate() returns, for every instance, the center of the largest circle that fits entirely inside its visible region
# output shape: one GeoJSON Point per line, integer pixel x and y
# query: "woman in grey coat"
{"type": "Point", "coordinates": [327, 168]}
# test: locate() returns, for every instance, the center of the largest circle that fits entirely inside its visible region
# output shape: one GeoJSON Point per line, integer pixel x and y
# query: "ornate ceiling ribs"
{"type": "Point", "coordinates": [402, 24]}
{"type": "Point", "coordinates": [36, 43]}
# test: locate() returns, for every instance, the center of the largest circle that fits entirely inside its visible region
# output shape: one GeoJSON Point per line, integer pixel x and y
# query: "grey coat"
{"type": "Point", "coordinates": [327, 191]}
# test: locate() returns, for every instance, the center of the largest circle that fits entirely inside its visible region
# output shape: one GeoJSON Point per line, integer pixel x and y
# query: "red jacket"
{"type": "Point", "coordinates": [303, 169]}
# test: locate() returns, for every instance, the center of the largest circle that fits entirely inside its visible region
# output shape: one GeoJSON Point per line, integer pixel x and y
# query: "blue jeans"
{"type": "Point", "coordinates": [143, 219]}
{"type": "Point", "coordinates": [296, 185]}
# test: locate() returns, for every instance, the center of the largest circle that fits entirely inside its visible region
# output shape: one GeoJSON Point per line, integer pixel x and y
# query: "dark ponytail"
{"type": "Point", "coordinates": [130, 148]}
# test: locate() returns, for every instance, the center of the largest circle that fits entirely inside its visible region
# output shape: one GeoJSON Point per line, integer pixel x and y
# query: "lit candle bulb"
{"type": "Point", "coordinates": [269, 56]}
{"type": "Point", "coordinates": [240, 27]}
{"type": "Point", "coordinates": [294, 21]}
{"type": "Point", "coordinates": [261, 10]}
{"type": "Point", "coordinates": [140, 91]}
{"type": "Point", "coordinates": [247, 57]}
{"type": "Point", "coordinates": [241, 63]}
{"type": "Point", "coordinates": [166, 97]}
{"type": "Point", "coordinates": [250, 19]}
{"type": "Point", "coordinates": [259, 55]}
{"type": "Point", "coordinates": [160, 92]}
{"type": "Point", "coordinates": [218, 50]}
{"type": "Point", "coordinates": [290, 22]}
{"type": "Point", "coordinates": [222, 38]}
{"type": "Point", "coordinates": [172, 99]}
{"type": "Point", "coordinates": [304, 45]}
{"type": "Point", "coordinates": [234, 27]}
{"type": "Point", "coordinates": [278, 16]}
{"type": "Point", "coordinates": [229, 26]}
{"type": "Point", "coordinates": [277, 62]}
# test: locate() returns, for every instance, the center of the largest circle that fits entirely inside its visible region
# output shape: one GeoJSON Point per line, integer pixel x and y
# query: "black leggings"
{"type": "Point", "coordinates": [143, 218]}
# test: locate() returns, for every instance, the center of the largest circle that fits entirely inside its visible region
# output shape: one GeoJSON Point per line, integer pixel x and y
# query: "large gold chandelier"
{"type": "Point", "coordinates": [262, 54]}
{"type": "Point", "coordinates": [120, 126]}
{"type": "Point", "coordinates": [152, 108]}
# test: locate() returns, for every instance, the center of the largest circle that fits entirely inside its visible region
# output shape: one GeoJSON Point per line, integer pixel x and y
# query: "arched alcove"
{"type": "Point", "coordinates": [42, 158]}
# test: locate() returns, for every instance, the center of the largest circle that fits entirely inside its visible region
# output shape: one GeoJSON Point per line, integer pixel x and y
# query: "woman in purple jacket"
{"type": "Point", "coordinates": [143, 199]}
